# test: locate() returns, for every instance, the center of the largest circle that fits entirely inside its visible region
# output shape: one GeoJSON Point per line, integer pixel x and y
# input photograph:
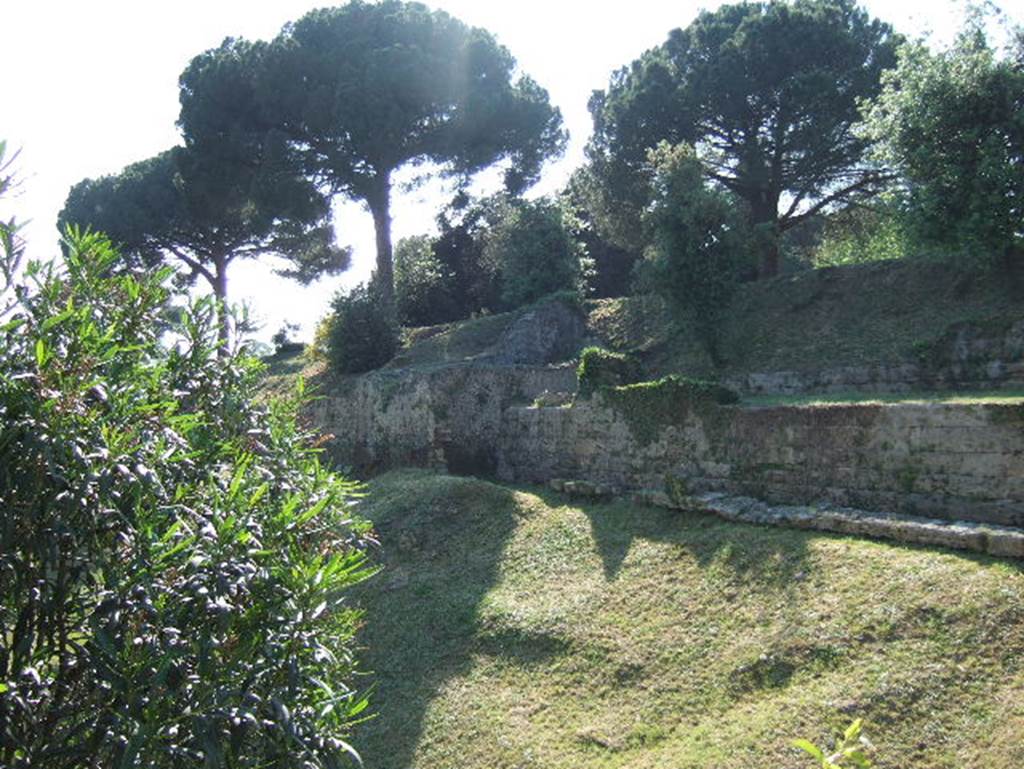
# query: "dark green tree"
{"type": "Point", "coordinates": [230, 193]}
{"type": "Point", "coordinates": [366, 89]}
{"type": "Point", "coordinates": [423, 288]}
{"type": "Point", "coordinates": [767, 92]}
{"type": "Point", "coordinates": [702, 246]}
{"type": "Point", "coordinates": [534, 251]}
{"type": "Point", "coordinates": [951, 124]}
{"type": "Point", "coordinates": [177, 206]}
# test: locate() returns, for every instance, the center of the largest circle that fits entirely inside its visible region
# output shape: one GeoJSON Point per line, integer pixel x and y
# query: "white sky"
{"type": "Point", "coordinates": [91, 85]}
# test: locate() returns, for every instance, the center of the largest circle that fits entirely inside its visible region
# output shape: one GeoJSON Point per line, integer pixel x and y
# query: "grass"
{"type": "Point", "coordinates": [454, 342]}
{"type": "Point", "coordinates": [510, 628]}
{"type": "Point", "coordinates": [821, 319]}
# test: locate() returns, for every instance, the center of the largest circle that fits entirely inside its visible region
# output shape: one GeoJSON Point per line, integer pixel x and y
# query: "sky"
{"type": "Point", "coordinates": [91, 86]}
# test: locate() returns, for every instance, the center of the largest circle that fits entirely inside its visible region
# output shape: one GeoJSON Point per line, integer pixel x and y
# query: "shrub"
{"type": "Point", "coordinates": [535, 251]}
{"type": "Point", "coordinates": [600, 368]}
{"type": "Point", "coordinates": [702, 245]}
{"type": "Point", "coordinates": [319, 349]}
{"type": "Point", "coordinates": [283, 342]}
{"type": "Point", "coordinates": [364, 333]}
{"type": "Point", "coordinates": [862, 234]}
{"type": "Point", "coordinates": [423, 288]}
{"type": "Point", "coordinates": [173, 558]}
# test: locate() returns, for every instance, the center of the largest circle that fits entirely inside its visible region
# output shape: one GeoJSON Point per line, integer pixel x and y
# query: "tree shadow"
{"type": "Point", "coordinates": [444, 539]}
{"type": "Point", "coordinates": [769, 555]}
{"type": "Point", "coordinates": [441, 548]}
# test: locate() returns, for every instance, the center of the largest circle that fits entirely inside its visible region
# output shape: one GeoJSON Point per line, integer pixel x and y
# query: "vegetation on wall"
{"type": "Point", "coordinates": [599, 368]}
{"type": "Point", "coordinates": [648, 407]}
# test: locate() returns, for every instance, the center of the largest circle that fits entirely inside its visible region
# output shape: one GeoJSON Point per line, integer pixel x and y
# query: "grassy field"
{"type": "Point", "coordinates": [510, 628]}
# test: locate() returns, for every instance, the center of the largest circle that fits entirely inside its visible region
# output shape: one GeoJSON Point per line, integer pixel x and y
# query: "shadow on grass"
{"type": "Point", "coordinates": [767, 555]}
{"type": "Point", "coordinates": [443, 541]}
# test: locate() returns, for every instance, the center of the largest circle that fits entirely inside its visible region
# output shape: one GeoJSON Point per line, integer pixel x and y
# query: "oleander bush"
{"type": "Point", "coordinates": [174, 561]}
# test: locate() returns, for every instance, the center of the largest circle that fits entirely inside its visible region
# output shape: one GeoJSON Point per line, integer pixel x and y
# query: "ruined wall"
{"type": "Point", "coordinates": [949, 461]}
{"type": "Point", "coordinates": [969, 356]}
{"type": "Point", "coordinates": [958, 462]}
{"type": "Point", "coordinates": [448, 416]}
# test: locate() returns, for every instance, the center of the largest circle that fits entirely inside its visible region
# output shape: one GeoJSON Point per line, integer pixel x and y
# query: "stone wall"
{"type": "Point", "coordinates": [957, 462]}
{"type": "Point", "coordinates": [968, 357]}
{"type": "Point", "coordinates": [447, 416]}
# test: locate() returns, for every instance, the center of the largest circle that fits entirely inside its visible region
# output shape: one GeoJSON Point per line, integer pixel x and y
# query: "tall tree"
{"type": "Point", "coordinates": [365, 89]}
{"type": "Point", "coordinates": [768, 94]}
{"type": "Point", "coordinates": [186, 206]}
{"type": "Point", "coordinates": [952, 124]}
{"type": "Point", "coordinates": [226, 195]}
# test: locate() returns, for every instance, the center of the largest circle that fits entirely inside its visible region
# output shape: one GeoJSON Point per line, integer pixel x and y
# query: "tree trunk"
{"type": "Point", "coordinates": [220, 292]}
{"type": "Point", "coordinates": [764, 216]}
{"type": "Point", "coordinates": [380, 206]}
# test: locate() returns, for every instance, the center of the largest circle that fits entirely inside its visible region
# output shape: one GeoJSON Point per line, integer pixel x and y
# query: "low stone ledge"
{"type": "Point", "coordinates": [993, 540]}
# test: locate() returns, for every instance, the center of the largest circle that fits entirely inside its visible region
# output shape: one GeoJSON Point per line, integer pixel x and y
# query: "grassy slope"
{"type": "Point", "coordinates": [819, 319]}
{"type": "Point", "coordinates": [511, 629]}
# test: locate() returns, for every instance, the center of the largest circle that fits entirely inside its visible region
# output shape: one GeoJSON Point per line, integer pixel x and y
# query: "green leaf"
{"type": "Point", "coordinates": [42, 354]}
{"type": "Point", "coordinates": [810, 748]}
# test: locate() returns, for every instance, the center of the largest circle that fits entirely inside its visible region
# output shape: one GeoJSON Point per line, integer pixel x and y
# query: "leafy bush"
{"type": "Point", "coordinates": [951, 124]}
{"type": "Point", "coordinates": [423, 288]}
{"type": "Point", "coordinates": [702, 245]}
{"type": "Point", "coordinates": [862, 234]}
{"type": "Point", "coordinates": [601, 368]}
{"type": "Point", "coordinates": [282, 339]}
{"type": "Point", "coordinates": [319, 349]}
{"type": "Point", "coordinates": [364, 333]}
{"type": "Point", "coordinates": [534, 249]}
{"type": "Point", "coordinates": [173, 558]}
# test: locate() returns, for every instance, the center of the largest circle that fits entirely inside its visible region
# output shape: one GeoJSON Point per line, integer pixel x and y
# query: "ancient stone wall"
{"type": "Point", "coordinates": [968, 357]}
{"type": "Point", "coordinates": [448, 416]}
{"type": "Point", "coordinates": [958, 462]}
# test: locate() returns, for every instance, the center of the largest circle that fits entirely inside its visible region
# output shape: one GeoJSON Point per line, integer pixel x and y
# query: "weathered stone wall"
{"type": "Point", "coordinates": [947, 461]}
{"type": "Point", "coordinates": [449, 416]}
{"type": "Point", "coordinates": [957, 462]}
{"type": "Point", "coordinates": [968, 356]}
